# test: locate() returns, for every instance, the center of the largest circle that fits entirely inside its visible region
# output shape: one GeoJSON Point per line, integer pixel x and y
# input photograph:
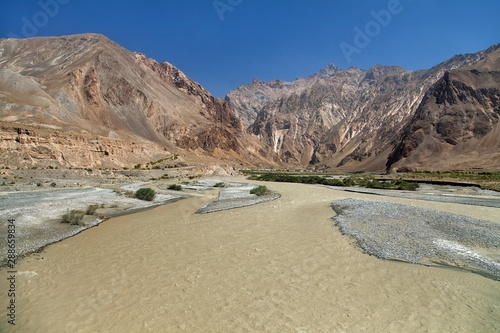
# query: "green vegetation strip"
{"type": "Point", "coordinates": [363, 181]}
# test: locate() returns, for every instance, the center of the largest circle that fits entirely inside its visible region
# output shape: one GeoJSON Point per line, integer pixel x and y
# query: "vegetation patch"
{"type": "Point", "coordinates": [91, 209]}
{"type": "Point", "coordinates": [73, 217]}
{"type": "Point", "coordinates": [220, 185]}
{"type": "Point", "coordinates": [145, 193]}
{"type": "Point", "coordinates": [259, 190]}
{"type": "Point", "coordinates": [175, 187]}
{"type": "Point", "coordinates": [362, 181]}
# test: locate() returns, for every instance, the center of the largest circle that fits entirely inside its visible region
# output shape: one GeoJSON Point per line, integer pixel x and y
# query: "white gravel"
{"type": "Point", "coordinates": [424, 236]}
{"type": "Point", "coordinates": [236, 195]}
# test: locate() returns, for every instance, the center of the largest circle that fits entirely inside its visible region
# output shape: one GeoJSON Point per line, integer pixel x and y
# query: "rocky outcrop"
{"type": "Point", "coordinates": [38, 146]}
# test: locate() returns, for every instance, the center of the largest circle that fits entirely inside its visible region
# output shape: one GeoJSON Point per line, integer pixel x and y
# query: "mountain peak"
{"type": "Point", "coordinates": [327, 71]}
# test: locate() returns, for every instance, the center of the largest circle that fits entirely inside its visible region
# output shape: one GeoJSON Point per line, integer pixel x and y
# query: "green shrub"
{"type": "Point", "coordinates": [259, 190]}
{"type": "Point", "coordinates": [348, 181]}
{"type": "Point", "coordinates": [145, 193]}
{"type": "Point", "coordinates": [73, 217]}
{"type": "Point", "coordinates": [220, 185]}
{"type": "Point", "coordinates": [175, 187]}
{"type": "Point", "coordinates": [137, 166]}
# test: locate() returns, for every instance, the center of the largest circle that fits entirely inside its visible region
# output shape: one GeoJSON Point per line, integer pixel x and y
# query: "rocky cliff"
{"type": "Point", "coordinates": [344, 119]}
{"type": "Point", "coordinates": [457, 124]}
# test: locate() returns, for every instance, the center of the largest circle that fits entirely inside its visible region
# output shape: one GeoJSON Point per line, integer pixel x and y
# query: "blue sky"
{"type": "Point", "coordinates": [224, 43]}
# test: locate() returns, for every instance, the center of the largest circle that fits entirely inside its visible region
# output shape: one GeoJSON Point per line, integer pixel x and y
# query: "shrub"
{"type": "Point", "coordinates": [220, 185]}
{"type": "Point", "coordinates": [137, 166]}
{"type": "Point", "coordinates": [73, 217]}
{"type": "Point", "coordinates": [145, 193]}
{"type": "Point", "coordinates": [259, 190]}
{"type": "Point", "coordinates": [348, 181]}
{"type": "Point", "coordinates": [175, 187]}
{"type": "Point", "coordinates": [91, 209]}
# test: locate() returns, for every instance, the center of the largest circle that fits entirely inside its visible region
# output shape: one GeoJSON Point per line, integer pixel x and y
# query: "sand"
{"type": "Point", "coordinates": [279, 266]}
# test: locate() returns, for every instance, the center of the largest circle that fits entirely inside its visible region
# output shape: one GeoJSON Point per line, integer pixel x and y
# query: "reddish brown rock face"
{"type": "Point", "coordinates": [457, 124]}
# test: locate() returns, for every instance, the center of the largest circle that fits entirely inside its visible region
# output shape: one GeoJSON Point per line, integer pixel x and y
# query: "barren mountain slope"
{"type": "Point", "coordinates": [457, 125]}
{"type": "Point", "coordinates": [88, 84]}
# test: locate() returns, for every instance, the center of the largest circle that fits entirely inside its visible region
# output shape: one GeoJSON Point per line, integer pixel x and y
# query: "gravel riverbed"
{"type": "Point", "coordinates": [422, 236]}
{"type": "Point", "coordinates": [236, 195]}
{"type": "Point", "coordinates": [38, 214]}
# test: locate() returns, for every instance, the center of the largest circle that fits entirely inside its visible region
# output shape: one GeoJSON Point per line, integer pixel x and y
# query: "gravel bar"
{"type": "Point", "coordinates": [236, 195]}
{"type": "Point", "coordinates": [37, 214]}
{"type": "Point", "coordinates": [422, 236]}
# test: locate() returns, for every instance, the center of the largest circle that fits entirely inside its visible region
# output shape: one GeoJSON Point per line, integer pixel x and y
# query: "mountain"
{"type": "Point", "coordinates": [115, 107]}
{"type": "Point", "coordinates": [349, 120]}
{"type": "Point", "coordinates": [457, 124]}
{"type": "Point", "coordinates": [85, 101]}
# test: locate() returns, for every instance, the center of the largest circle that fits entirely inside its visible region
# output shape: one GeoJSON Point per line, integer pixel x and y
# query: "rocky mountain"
{"type": "Point", "coordinates": [345, 119]}
{"type": "Point", "coordinates": [457, 124]}
{"type": "Point", "coordinates": [117, 106]}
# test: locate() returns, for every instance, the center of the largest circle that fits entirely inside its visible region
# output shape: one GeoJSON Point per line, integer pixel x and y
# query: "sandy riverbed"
{"type": "Point", "coordinates": [279, 266]}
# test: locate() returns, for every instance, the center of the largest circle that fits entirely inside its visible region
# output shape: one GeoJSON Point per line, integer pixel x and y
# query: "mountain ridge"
{"type": "Point", "coordinates": [343, 119]}
{"type": "Point", "coordinates": [370, 108]}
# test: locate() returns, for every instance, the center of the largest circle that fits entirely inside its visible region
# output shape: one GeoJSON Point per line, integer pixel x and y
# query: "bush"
{"type": "Point", "coordinates": [73, 217]}
{"type": "Point", "coordinates": [220, 185]}
{"type": "Point", "coordinates": [348, 181]}
{"type": "Point", "coordinates": [145, 193]}
{"type": "Point", "coordinates": [91, 209]}
{"type": "Point", "coordinates": [175, 187]}
{"type": "Point", "coordinates": [259, 190]}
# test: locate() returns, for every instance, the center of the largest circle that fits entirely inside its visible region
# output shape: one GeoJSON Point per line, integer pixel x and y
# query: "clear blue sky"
{"type": "Point", "coordinates": [224, 43]}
